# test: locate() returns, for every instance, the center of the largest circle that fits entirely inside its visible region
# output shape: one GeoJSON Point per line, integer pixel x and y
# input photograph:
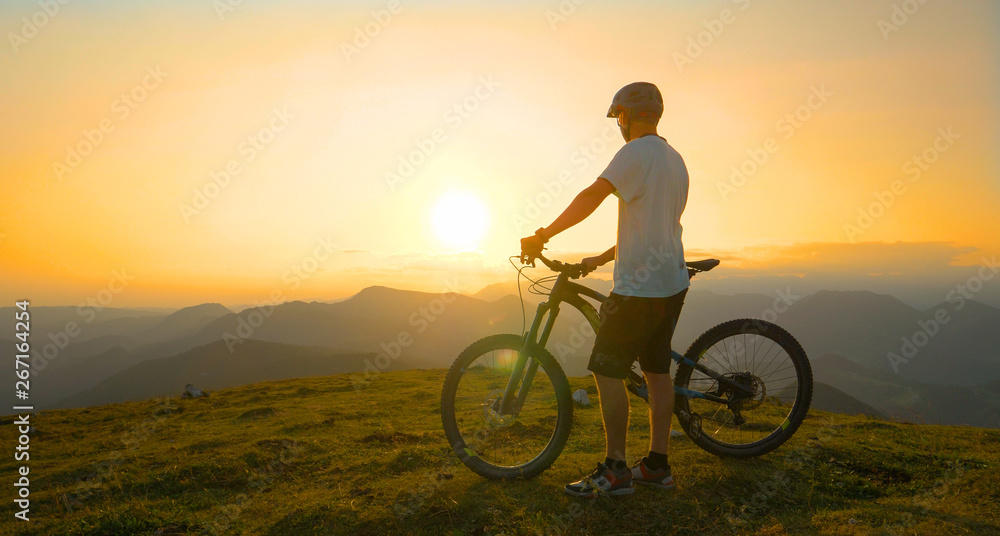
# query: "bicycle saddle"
{"type": "Point", "coordinates": [703, 266]}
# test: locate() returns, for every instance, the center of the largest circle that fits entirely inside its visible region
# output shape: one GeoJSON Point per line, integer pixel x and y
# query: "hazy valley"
{"type": "Point", "coordinates": [946, 372]}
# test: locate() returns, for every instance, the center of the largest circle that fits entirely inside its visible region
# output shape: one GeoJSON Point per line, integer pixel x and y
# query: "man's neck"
{"type": "Point", "coordinates": [638, 133]}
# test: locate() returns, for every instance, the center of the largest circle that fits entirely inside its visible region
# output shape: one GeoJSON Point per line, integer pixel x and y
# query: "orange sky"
{"type": "Point", "coordinates": [532, 89]}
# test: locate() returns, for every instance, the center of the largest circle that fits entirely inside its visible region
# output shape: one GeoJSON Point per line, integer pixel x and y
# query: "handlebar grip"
{"type": "Point", "coordinates": [575, 270]}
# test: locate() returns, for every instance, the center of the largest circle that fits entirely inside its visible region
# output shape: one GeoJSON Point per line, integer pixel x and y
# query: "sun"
{"type": "Point", "coordinates": [460, 219]}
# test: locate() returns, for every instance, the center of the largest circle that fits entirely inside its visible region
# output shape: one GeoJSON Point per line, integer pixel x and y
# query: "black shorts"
{"type": "Point", "coordinates": [635, 327]}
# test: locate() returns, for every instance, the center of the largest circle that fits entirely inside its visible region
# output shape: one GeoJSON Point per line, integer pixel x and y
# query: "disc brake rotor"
{"type": "Point", "coordinates": [491, 410]}
{"type": "Point", "coordinates": [753, 384]}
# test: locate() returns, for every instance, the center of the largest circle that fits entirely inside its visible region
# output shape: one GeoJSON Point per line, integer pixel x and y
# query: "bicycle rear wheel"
{"type": "Point", "coordinates": [770, 364]}
{"type": "Point", "coordinates": [505, 447]}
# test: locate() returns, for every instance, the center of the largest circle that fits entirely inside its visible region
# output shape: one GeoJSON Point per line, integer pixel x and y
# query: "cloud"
{"type": "Point", "coordinates": [919, 273]}
{"type": "Point", "coordinates": [867, 258]}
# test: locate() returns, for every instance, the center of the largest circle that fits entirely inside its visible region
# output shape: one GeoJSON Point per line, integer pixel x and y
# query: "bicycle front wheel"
{"type": "Point", "coordinates": [775, 378]}
{"type": "Point", "coordinates": [523, 443]}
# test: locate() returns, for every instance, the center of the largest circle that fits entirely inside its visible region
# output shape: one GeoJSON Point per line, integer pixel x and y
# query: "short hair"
{"type": "Point", "coordinates": [649, 120]}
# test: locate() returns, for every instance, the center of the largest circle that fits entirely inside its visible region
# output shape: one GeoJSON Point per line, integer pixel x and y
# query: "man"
{"type": "Point", "coordinates": [650, 281]}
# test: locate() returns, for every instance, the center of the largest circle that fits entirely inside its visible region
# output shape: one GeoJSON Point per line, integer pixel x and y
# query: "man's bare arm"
{"type": "Point", "coordinates": [600, 260]}
{"type": "Point", "coordinates": [606, 257]}
{"type": "Point", "coordinates": [585, 203]}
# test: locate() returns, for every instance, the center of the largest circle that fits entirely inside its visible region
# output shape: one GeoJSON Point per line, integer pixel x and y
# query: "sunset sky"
{"type": "Point", "coordinates": [314, 118]}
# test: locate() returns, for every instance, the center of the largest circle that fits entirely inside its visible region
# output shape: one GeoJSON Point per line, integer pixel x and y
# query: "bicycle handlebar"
{"type": "Point", "coordinates": [575, 271]}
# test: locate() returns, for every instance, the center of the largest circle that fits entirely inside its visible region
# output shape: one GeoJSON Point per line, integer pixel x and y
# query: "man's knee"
{"type": "Point", "coordinates": [607, 380]}
{"type": "Point", "coordinates": [657, 377]}
{"type": "Point", "coordinates": [659, 383]}
{"type": "Point", "coordinates": [610, 387]}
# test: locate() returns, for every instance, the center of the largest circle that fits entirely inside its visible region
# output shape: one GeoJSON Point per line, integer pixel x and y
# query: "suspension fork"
{"type": "Point", "coordinates": [525, 367]}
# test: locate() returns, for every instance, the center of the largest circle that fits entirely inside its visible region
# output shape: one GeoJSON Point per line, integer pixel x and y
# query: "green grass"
{"type": "Point", "coordinates": [314, 457]}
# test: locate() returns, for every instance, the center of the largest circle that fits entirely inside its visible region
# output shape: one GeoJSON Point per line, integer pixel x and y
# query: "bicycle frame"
{"type": "Point", "coordinates": [564, 290]}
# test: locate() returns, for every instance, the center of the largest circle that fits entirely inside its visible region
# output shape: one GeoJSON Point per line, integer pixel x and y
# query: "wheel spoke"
{"type": "Point", "coordinates": [790, 367]}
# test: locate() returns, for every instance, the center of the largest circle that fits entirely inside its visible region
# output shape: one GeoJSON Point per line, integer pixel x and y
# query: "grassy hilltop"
{"type": "Point", "coordinates": [314, 456]}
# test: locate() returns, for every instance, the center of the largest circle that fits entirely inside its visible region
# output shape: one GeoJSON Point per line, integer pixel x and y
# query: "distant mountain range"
{"type": "Point", "coordinates": [106, 343]}
{"type": "Point", "coordinates": [912, 401]}
{"type": "Point", "coordinates": [124, 354]}
{"type": "Point", "coordinates": [866, 327]}
{"type": "Point", "coordinates": [828, 398]}
{"type": "Point", "coordinates": [213, 367]}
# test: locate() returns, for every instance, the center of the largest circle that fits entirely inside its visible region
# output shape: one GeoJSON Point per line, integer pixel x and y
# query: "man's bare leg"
{"type": "Point", "coordinates": [661, 408]}
{"type": "Point", "coordinates": [615, 476]}
{"type": "Point", "coordinates": [614, 410]}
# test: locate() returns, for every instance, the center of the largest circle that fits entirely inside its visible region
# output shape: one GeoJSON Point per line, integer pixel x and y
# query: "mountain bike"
{"type": "Point", "coordinates": [741, 389]}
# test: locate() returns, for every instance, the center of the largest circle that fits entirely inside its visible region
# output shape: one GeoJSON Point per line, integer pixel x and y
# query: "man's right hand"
{"type": "Point", "coordinates": [531, 247]}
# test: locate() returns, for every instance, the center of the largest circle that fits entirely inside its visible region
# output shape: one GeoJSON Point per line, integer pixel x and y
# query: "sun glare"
{"type": "Point", "coordinates": [460, 219]}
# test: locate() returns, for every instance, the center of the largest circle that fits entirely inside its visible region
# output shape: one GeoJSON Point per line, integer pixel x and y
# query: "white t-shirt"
{"type": "Point", "coordinates": [652, 187]}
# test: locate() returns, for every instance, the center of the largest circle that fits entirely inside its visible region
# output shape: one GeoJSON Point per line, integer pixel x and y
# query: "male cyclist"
{"type": "Point", "coordinates": [650, 281]}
